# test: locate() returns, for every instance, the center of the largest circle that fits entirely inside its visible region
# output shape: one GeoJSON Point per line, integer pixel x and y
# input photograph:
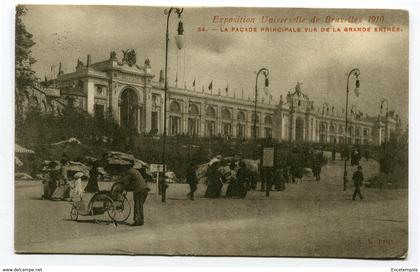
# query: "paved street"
{"type": "Point", "coordinates": [308, 219]}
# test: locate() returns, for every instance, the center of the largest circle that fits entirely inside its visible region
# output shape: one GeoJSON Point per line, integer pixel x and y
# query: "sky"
{"type": "Point", "coordinates": [319, 61]}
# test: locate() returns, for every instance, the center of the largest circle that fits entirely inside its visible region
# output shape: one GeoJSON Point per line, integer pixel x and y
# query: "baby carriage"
{"type": "Point", "coordinates": [113, 203]}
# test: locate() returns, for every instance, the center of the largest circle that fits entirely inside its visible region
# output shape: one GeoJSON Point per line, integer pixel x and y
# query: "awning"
{"type": "Point", "coordinates": [22, 150]}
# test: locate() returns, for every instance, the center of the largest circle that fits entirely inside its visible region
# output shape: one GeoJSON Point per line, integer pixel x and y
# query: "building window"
{"type": "Point", "coordinates": [193, 109]}
{"type": "Point", "coordinates": [254, 117]}
{"type": "Point", "coordinates": [227, 129]}
{"type": "Point", "coordinates": [175, 125]}
{"type": "Point", "coordinates": [323, 133]}
{"type": "Point", "coordinates": [268, 132]}
{"type": "Point", "coordinates": [155, 121]}
{"type": "Point", "coordinates": [211, 112]}
{"type": "Point", "coordinates": [193, 124]}
{"type": "Point", "coordinates": [253, 132]}
{"type": "Point", "coordinates": [241, 131]}
{"type": "Point", "coordinates": [268, 120]}
{"type": "Point", "coordinates": [226, 114]}
{"type": "Point", "coordinates": [99, 90]}
{"type": "Point", "coordinates": [156, 99]}
{"type": "Point", "coordinates": [241, 116]}
{"type": "Point", "coordinates": [210, 128]}
{"type": "Point", "coordinates": [175, 107]}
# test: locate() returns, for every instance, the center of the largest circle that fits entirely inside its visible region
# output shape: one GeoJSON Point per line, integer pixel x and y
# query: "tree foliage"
{"type": "Point", "coordinates": [24, 75]}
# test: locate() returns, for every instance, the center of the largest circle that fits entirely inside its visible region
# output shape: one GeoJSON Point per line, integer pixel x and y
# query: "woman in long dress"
{"type": "Point", "coordinates": [231, 178]}
{"type": "Point", "coordinates": [242, 177]}
{"type": "Point", "coordinates": [214, 187]}
{"type": "Point", "coordinates": [92, 186]}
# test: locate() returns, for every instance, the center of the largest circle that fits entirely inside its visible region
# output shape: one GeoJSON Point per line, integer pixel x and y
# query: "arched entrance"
{"type": "Point", "coordinates": [129, 109]}
{"type": "Point", "coordinates": [299, 129]}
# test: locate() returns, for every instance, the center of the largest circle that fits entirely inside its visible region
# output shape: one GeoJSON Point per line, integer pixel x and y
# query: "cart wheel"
{"type": "Point", "coordinates": [123, 209]}
{"type": "Point", "coordinates": [109, 206]}
{"type": "Point", "coordinates": [74, 213]}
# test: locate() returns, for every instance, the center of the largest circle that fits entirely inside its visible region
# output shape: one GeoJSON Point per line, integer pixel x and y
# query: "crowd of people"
{"type": "Point", "coordinates": [237, 176]}
{"type": "Point", "coordinates": [62, 184]}
{"type": "Point", "coordinates": [240, 178]}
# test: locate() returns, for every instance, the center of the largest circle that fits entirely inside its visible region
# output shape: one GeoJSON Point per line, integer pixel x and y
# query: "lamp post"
{"type": "Point", "coordinates": [325, 123]}
{"type": "Point", "coordinates": [179, 43]}
{"type": "Point", "coordinates": [355, 72]}
{"type": "Point", "coordinates": [383, 100]}
{"type": "Point", "coordinates": [265, 72]}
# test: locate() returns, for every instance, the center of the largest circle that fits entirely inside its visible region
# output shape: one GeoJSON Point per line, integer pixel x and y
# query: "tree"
{"type": "Point", "coordinates": [24, 75]}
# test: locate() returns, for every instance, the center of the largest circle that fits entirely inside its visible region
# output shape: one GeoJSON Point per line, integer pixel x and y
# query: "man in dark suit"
{"type": "Point", "coordinates": [133, 179]}
{"type": "Point", "coordinates": [358, 182]}
{"type": "Point", "coordinates": [191, 180]}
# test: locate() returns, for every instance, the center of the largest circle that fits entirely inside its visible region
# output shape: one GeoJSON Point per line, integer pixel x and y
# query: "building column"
{"type": "Point", "coordinates": [234, 123]}
{"type": "Point", "coordinates": [90, 97]}
{"type": "Point", "coordinates": [184, 117]}
{"type": "Point", "coordinates": [219, 122]}
{"type": "Point", "coordinates": [147, 97]}
{"type": "Point", "coordinates": [201, 129]}
{"type": "Point", "coordinates": [293, 128]}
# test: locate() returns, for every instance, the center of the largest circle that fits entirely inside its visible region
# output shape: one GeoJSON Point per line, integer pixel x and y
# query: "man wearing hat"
{"type": "Point", "coordinates": [133, 179]}
{"type": "Point", "coordinates": [358, 182]}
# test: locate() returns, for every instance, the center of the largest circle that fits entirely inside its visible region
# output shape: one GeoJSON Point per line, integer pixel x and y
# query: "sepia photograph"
{"type": "Point", "coordinates": [211, 131]}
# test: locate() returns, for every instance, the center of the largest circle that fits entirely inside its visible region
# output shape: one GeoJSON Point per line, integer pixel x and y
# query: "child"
{"type": "Point", "coordinates": [76, 188]}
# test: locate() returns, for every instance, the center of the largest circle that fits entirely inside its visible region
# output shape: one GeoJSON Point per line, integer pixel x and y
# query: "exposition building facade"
{"type": "Point", "coordinates": [134, 98]}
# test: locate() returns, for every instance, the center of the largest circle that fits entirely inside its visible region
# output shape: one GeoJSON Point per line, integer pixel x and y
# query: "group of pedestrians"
{"type": "Point", "coordinates": [59, 183]}
{"type": "Point", "coordinates": [238, 178]}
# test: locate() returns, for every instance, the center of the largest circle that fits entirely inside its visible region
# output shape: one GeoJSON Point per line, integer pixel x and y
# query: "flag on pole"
{"type": "Point", "coordinates": [211, 86]}
{"type": "Point", "coordinates": [227, 89]}
{"type": "Point", "coordinates": [193, 83]}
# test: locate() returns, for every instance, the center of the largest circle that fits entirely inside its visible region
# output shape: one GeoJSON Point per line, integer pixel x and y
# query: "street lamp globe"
{"type": "Point", "coordinates": [356, 89]}
{"type": "Point", "coordinates": [179, 38]}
